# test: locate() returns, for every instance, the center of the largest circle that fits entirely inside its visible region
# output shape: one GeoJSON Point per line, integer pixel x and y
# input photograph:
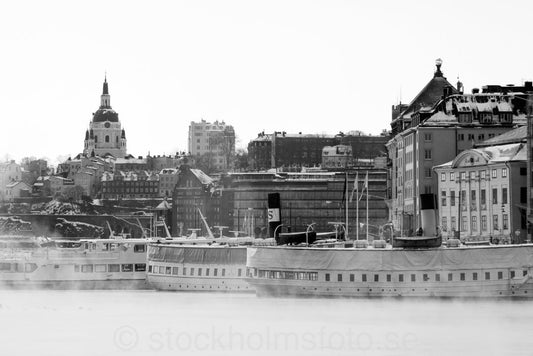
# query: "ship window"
{"type": "Point", "coordinates": [487, 275]}
{"type": "Point", "coordinates": [352, 278]}
{"type": "Point", "coordinates": [105, 247]}
{"type": "Point", "coordinates": [139, 248]}
{"type": "Point", "coordinates": [76, 267]}
{"type": "Point", "coordinates": [450, 276]}
{"type": "Point", "coordinates": [239, 272]}
{"type": "Point", "coordinates": [168, 270]}
{"type": "Point", "coordinates": [364, 277]}
{"type": "Point", "coordinates": [413, 278]}
{"type": "Point", "coordinates": [223, 272]}
{"type": "Point", "coordinates": [199, 271]}
{"type": "Point", "coordinates": [437, 277]}
{"type": "Point", "coordinates": [524, 273]}
{"type": "Point", "coordinates": [207, 271]}
{"type": "Point", "coordinates": [175, 271]}
{"type": "Point", "coordinates": [512, 274]}
{"type": "Point", "coordinates": [192, 271]}
{"type": "Point", "coordinates": [327, 277]}
{"type": "Point", "coordinates": [140, 267]}
{"type": "Point", "coordinates": [462, 276]}
{"type": "Point", "coordinates": [474, 276]}
{"type": "Point", "coordinates": [500, 275]}
{"type": "Point", "coordinates": [113, 268]}
{"type": "Point", "coordinates": [87, 268]}
{"type": "Point", "coordinates": [400, 278]}
{"type": "Point", "coordinates": [30, 267]}
{"type": "Point", "coordinates": [425, 277]}
{"type": "Point", "coordinates": [313, 276]}
{"type": "Point", "coordinates": [376, 278]}
{"type": "Point", "coordinates": [215, 272]}
{"type": "Point", "coordinates": [389, 278]}
{"type": "Point", "coordinates": [128, 267]}
{"type": "Point", "coordinates": [150, 269]}
{"type": "Point", "coordinates": [100, 268]}
{"type": "Point", "coordinates": [184, 271]}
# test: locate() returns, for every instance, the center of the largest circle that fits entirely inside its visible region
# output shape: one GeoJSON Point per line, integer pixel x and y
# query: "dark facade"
{"type": "Point", "coordinates": [282, 150]}
{"type": "Point", "coordinates": [239, 201]}
{"type": "Point", "coordinates": [130, 185]}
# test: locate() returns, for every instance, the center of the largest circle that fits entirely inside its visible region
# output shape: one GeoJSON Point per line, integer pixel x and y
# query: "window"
{"type": "Point", "coordinates": [504, 172]}
{"type": "Point", "coordinates": [127, 267]}
{"type": "Point", "coordinates": [523, 195]}
{"type": "Point", "coordinates": [400, 278]}
{"type": "Point", "coordinates": [428, 173]}
{"type": "Point", "coordinates": [425, 277]}
{"type": "Point", "coordinates": [523, 171]}
{"type": "Point", "coordinates": [463, 223]}
{"type": "Point", "coordinates": [444, 223]}
{"type": "Point", "coordinates": [139, 248]}
{"type": "Point", "coordinates": [505, 221]}
{"type": "Point", "coordinates": [352, 278]}
{"type": "Point", "coordinates": [100, 268]}
{"type": "Point", "coordinates": [87, 268]}
{"type": "Point", "coordinates": [453, 223]}
{"type": "Point", "coordinates": [470, 137]}
{"type": "Point", "coordinates": [174, 270]}
{"type": "Point", "coordinates": [207, 271]}
{"type": "Point", "coordinates": [427, 137]}
{"type": "Point", "coordinates": [483, 174]}
{"type": "Point", "coordinates": [106, 138]}
{"type": "Point", "coordinates": [463, 175]}
{"type": "Point", "coordinates": [504, 195]}
{"type": "Point", "coordinates": [452, 198]}
{"type": "Point", "coordinates": [473, 175]}
{"type": "Point", "coordinates": [474, 276]}
{"type": "Point", "coordinates": [473, 199]}
{"type": "Point", "coordinates": [483, 223]}
{"type": "Point", "coordinates": [327, 277]}
{"type": "Point", "coordinates": [140, 267]}
{"type": "Point", "coordinates": [462, 276]}
{"type": "Point", "coordinates": [483, 197]}
{"type": "Point", "coordinates": [376, 278]}
{"type": "Point", "coordinates": [443, 177]}
{"type": "Point", "coordinates": [474, 223]}
{"type": "Point", "coordinates": [437, 277]}
{"type": "Point", "coordinates": [494, 173]}
{"type": "Point", "coordinates": [363, 277]}
{"type": "Point", "coordinates": [339, 277]}
{"type": "Point", "coordinates": [500, 275]}
{"type": "Point", "coordinates": [450, 276]}
{"type": "Point", "coordinates": [512, 274]}
{"type": "Point", "coordinates": [460, 137]}
{"type": "Point", "coordinates": [192, 271]}
{"type": "Point", "coordinates": [184, 271]}
{"type": "Point", "coordinates": [389, 278]}
{"type": "Point", "coordinates": [452, 175]}
{"type": "Point", "coordinates": [427, 154]}
{"type": "Point", "coordinates": [239, 272]}
{"type": "Point", "coordinates": [487, 275]}
{"type": "Point", "coordinates": [495, 222]}
{"type": "Point", "coordinates": [413, 278]}
{"type": "Point", "coordinates": [199, 271]}
{"type": "Point", "coordinates": [494, 196]}
{"type": "Point", "coordinates": [215, 272]}
{"type": "Point", "coordinates": [113, 268]}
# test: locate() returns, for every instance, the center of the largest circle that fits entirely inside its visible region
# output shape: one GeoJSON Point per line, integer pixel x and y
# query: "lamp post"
{"type": "Point", "coordinates": [307, 232]}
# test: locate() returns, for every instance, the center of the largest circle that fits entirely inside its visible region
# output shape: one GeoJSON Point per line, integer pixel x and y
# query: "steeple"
{"type": "Point", "coordinates": [105, 99]}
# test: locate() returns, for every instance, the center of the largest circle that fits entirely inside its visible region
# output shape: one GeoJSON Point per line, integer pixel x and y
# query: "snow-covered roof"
{"type": "Point", "coordinates": [202, 177]}
{"type": "Point", "coordinates": [490, 155]}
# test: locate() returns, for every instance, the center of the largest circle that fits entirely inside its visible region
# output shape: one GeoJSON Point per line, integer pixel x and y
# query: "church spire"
{"type": "Point", "coordinates": [105, 99]}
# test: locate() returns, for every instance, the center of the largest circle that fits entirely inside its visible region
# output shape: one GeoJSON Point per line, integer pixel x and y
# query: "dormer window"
{"type": "Point", "coordinates": [506, 117]}
{"type": "Point", "coordinates": [485, 118]}
{"type": "Point", "coordinates": [465, 117]}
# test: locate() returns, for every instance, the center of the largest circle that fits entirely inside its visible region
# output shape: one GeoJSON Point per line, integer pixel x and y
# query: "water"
{"type": "Point", "coordinates": [164, 323]}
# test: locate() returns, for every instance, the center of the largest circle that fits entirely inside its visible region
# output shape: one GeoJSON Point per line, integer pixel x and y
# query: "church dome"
{"type": "Point", "coordinates": [103, 115]}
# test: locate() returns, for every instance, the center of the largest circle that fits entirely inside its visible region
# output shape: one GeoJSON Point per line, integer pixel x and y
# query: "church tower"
{"type": "Point", "coordinates": [105, 135]}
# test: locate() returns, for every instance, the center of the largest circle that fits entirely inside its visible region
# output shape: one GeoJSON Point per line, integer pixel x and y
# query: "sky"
{"type": "Point", "coordinates": [297, 66]}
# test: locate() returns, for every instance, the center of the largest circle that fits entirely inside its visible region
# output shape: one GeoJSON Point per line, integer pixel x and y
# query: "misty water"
{"type": "Point", "coordinates": [165, 323]}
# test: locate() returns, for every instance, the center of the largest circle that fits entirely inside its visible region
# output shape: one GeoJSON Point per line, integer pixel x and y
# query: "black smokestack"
{"type": "Point", "coordinates": [274, 212]}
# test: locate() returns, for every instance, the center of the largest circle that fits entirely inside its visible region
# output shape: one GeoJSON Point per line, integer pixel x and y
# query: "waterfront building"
{"type": "Point", "coordinates": [58, 185]}
{"type": "Point", "coordinates": [294, 151]}
{"type": "Point", "coordinates": [212, 144]}
{"type": "Point", "coordinates": [105, 135]}
{"type": "Point", "coordinates": [17, 190]}
{"type": "Point", "coordinates": [129, 185]}
{"type": "Point", "coordinates": [239, 201]}
{"type": "Point", "coordinates": [10, 172]}
{"type": "Point", "coordinates": [482, 194]}
{"type": "Point", "coordinates": [436, 126]}
{"type": "Point", "coordinates": [337, 157]}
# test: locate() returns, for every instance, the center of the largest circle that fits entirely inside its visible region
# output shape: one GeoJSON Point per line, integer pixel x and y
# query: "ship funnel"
{"type": "Point", "coordinates": [274, 212]}
{"type": "Point", "coordinates": [427, 215]}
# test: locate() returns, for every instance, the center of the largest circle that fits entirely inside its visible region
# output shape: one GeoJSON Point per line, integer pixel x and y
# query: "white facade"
{"type": "Point", "coordinates": [215, 140]}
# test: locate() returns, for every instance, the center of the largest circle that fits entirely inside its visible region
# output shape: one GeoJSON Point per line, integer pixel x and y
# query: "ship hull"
{"type": "Point", "coordinates": [120, 284]}
{"type": "Point", "coordinates": [467, 272]}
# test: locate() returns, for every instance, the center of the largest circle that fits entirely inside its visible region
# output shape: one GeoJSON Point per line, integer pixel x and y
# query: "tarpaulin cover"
{"type": "Point", "coordinates": [197, 254]}
{"type": "Point", "coordinates": [287, 258]}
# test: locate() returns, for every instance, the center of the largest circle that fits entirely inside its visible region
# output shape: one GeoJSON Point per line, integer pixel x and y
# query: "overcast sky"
{"type": "Point", "coordinates": [310, 66]}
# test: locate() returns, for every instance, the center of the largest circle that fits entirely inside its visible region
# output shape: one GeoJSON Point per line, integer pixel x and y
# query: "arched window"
{"type": "Point", "coordinates": [106, 138]}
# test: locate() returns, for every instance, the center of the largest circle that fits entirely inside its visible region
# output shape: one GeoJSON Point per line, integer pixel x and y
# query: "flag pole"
{"type": "Point", "coordinates": [346, 208]}
{"type": "Point", "coordinates": [366, 184]}
{"type": "Point", "coordinates": [357, 205]}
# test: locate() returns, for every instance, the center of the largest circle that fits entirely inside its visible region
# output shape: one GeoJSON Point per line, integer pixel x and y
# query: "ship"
{"type": "Point", "coordinates": [416, 266]}
{"type": "Point", "coordinates": [38, 262]}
